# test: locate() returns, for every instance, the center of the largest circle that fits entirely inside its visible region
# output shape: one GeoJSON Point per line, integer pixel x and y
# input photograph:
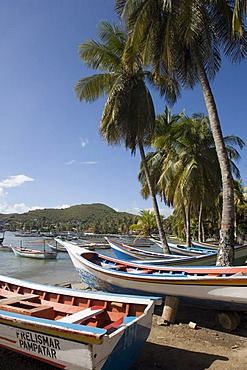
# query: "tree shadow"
{"type": "Point", "coordinates": [205, 318]}
{"type": "Point", "coordinates": [162, 357]}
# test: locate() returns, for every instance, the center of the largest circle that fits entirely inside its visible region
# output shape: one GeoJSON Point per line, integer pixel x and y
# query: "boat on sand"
{"type": "Point", "coordinates": [73, 329]}
{"type": "Point", "coordinates": [128, 253]}
{"type": "Point", "coordinates": [212, 286]}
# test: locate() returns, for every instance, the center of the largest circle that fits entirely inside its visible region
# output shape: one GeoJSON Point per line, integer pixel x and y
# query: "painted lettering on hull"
{"type": "Point", "coordinates": [38, 343]}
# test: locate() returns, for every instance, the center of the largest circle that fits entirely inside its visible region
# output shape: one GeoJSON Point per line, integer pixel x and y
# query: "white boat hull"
{"type": "Point", "coordinates": [68, 345]}
{"type": "Point", "coordinates": [226, 292]}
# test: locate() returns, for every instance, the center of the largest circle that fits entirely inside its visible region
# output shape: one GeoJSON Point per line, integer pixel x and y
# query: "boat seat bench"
{"type": "Point", "coordinates": [85, 314]}
{"type": "Point", "coordinates": [28, 304]}
{"type": "Point", "coordinates": [18, 298]}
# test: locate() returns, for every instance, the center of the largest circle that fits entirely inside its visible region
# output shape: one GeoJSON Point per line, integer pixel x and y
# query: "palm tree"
{"type": "Point", "coordinates": [240, 11]}
{"type": "Point", "coordinates": [184, 38]}
{"type": "Point", "coordinates": [188, 177]}
{"type": "Point", "coordinates": [128, 116]}
{"type": "Point", "coordinates": [239, 200]}
{"type": "Point", "coordinates": [146, 224]}
{"type": "Point", "coordinates": [184, 167]}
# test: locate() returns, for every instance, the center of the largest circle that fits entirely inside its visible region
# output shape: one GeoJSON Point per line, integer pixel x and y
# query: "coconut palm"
{"type": "Point", "coordinates": [189, 168]}
{"type": "Point", "coordinates": [184, 167]}
{"type": "Point", "coordinates": [186, 38]}
{"type": "Point", "coordinates": [239, 201]}
{"type": "Point", "coordinates": [146, 224]}
{"type": "Point", "coordinates": [128, 115]}
{"type": "Point", "coordinates": [240, 10]}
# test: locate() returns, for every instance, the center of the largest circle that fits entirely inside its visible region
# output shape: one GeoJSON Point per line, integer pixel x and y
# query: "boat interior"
{"type": "Point", "coordinates": [67, 308]}
{"type": "Point", "coordinates": [164, 271]}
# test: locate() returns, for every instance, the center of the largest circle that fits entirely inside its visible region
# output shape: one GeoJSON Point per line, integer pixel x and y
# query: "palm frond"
{"type": "Point", "coordinates": [93, 87]}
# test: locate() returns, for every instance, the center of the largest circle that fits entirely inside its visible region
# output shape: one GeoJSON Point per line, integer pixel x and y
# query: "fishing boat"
{"type": "Point", "coordinates": [73, 329]}
{"type": "Point", "coordinates": [82, 243]}
{"type": "Point", "coordinates": [33, 253]}
{"type": "Point", "coordinates": [2, 232]}
{"type": "Point", "coordinates": [185, 250]}
{"type": "Point", "coordinates": [240, 251]}
{"type": "Point", "coordinates": [218, 287]}
{"type": "Point", "coordinates": [128, 253]}
{"type": "Point", "coordinates": [205, 245]}
{"type": "Point", "coordinates": [5, 248]}
{"type": "Point", "coordinates": [136, 242]}
{"type": "Point", "coordinates": [57, 247]}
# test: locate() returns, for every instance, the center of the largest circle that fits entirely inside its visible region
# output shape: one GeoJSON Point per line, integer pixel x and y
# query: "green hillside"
{"type": "Point", "coordinates": [97, 216]}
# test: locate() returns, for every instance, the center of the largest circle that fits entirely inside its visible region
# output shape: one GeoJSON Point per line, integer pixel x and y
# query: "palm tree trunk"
{"type": "Point", "coordinates": [154, 200]}
{"type": "Point", "coordinates": [184, 217]}
{"type": "Point", "coordinates": [203, 232]}
{"type": "Point", "coordinates": [188, 233]}
{"type": "Point", "coordinates": [200, 224]}
{"type": "Point", "coordinates": [226, 250]}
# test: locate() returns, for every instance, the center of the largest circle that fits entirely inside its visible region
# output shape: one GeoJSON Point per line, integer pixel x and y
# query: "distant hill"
{"type": "Point", "coordinates": [87, 214]}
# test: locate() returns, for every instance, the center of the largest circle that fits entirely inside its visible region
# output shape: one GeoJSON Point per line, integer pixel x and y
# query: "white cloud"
{"type": "Point", "coordinates": [15, 208]}
{"type": "Point", "coordinates": [71, 162]}
{"type": "Point", "coordinates": [83, 142]}
{"type": "Point", "coordinates": [90, 162]}
{"type": "Point", "coordinates": [13, 181]}
{"type": "Point", "coordinates": [62, 206]}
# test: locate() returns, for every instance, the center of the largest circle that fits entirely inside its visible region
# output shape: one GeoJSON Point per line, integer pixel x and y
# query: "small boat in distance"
{"type": "Point", "coordinates": [73, 329]}
{"type": "Point", "coordinates": [217, 287]}
{"type": "Point", "coordinates": [5, 248]}
{"type": "Point", "coordinates": [33, 253]}
{"type": "Point", "coordinates": [57, 247]}
{"type": "Point", "coordinates": [2, 233]}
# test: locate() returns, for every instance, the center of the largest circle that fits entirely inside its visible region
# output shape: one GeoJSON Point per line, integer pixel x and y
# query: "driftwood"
{"type": "Point", "coordinates": [169, 311]}
{"type": "Point", "coordinates": [228, 320]}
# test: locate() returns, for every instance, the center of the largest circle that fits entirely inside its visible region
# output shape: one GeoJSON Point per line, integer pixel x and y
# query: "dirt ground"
{"type": "Point", "coordinates": [174, 347]}
{"type": "Point", "coordinates": [208, 346]}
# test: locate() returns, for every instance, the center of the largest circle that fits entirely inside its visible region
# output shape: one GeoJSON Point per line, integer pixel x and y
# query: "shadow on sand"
{"type": "Point", "coordinates": [206, 318]}
{"type": "Point", "coordinates": [155, 356]}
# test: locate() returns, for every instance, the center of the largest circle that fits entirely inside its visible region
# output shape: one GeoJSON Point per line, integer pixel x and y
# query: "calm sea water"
{"type": "Point", "coordinates": [58, 271]}
{"type": "Point", "coordinates": [51, 272]}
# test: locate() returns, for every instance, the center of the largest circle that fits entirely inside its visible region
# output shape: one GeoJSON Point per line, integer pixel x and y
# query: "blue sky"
{"type": "Point", "coordinates": [51, 152]}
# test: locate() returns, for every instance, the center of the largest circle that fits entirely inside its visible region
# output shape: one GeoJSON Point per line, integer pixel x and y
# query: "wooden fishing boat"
{"type": "Point", "coordinates": [240, 251]}
{"type": "Point", "coordinates": [204, 248]}
{"type": "Point", "coordinates": [82, 243]}
{"type": "Point", "coordinates": [2, 233]}
{"type": "Point", "coordinates": [73, 329]}
{"type": "Point", "coordinates": [136, 242]}
{"type": "Point", "coordinates": [205, 245]}
{"type": "Point", "coordinates": [128, 253]}
{"type": "Point", "coordinates": [185, 250]}
{"type": "Point", "coordinates": [57, 247]}
{"type": "Point", "coordinates": [33, 253]}
{"type": "Point", "coordinates": [5, 248]}
{"type": "Point", "coordinates": [218, 287]}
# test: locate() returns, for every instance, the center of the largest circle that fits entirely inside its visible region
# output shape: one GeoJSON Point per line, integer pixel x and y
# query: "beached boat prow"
{"type": "Point", "coordinates": [212, 286]}
{"type": "Point", "coordinates": [73, 329]}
